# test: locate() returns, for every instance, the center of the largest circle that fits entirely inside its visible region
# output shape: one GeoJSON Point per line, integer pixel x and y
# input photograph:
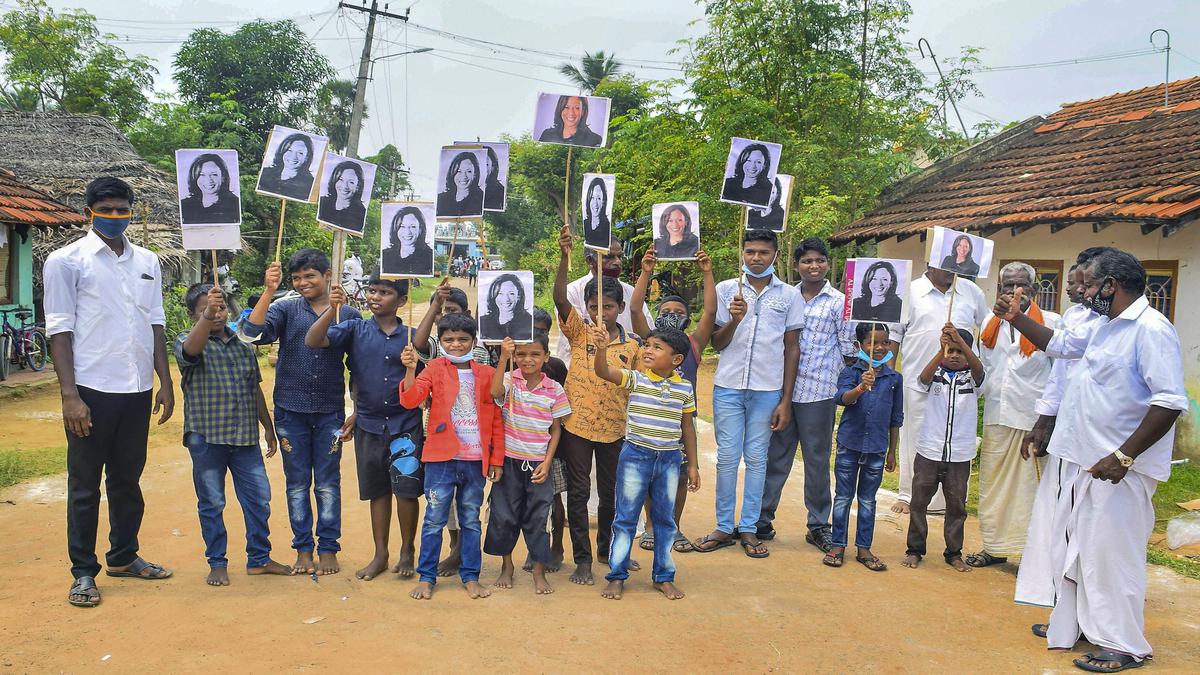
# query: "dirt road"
{"type": "Point", "coordinates": [784, 613]}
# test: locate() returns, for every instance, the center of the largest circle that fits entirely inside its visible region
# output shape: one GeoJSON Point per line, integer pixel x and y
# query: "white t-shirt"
{"type": "Point", "coordinates": [465, 417]}
{"type": "Point", "coordinates": [951, 413]}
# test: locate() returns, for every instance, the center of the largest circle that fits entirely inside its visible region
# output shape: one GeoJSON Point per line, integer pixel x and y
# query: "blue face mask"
{"type": "Point", "coordinates": [770, 271]}
{"type": "Point", "coordinates": [874, 364]}
{"type": "Point", "coordinates": [458, 360]}
{"type": "Point", "coordinates": [109, 227]}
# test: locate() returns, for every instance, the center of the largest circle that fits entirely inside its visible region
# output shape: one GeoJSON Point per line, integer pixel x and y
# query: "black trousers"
{"type": "Point", "coordinates": [116, 450]}
{"type": "Point", "coordinates": [577, 452]}
{"type": "Point", "coordinates": [517, 505]}
{"type": "Point", "coordinates": [953, 478]}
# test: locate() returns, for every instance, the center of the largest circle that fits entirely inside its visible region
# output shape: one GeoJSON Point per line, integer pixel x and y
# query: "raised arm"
{"type": "Point", "coordinates": [272, 278]}
{"type": "Point", "coordinates": [637, 302]}
{"type": "Point", "coordinates": [973, 361]}
{"type": "Point", "coordinates": [1008, 307]}
{"type": "Point", "coordinates": [197, 337]}
{"type": "Point", "coordinates": [708, 317]}
{"type": "Point", "coordinates": [317, 336]}
{"type": "Point", "coordinates": [506, 351]}
{"type": "Point", "coordinates": [932, 366]}
{"type": "Point", "coordinates": [600, 339]}
{"type": "Point", "coordinates": [565, 244]}
{"type": "Point", "coordinates": [421, 337]}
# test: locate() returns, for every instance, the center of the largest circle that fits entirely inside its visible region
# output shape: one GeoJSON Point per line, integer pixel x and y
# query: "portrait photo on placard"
{"type": "Point", "coordinates": [345, 192]}
{"type": "Point", "coordinates": [495, 174]}
{"type": "Point", "coordinates": [505, 306]}
{"type": "Point", "coordinates": [676, 230]}
{"type": "Point", "coordinates": [964, 254]}
{"type": "Point", "coordinates": [570, 119]}
{"type": "Point", "coordinates": [461, 181]}
{"type": "Point", "coordinates": [209, 189]}
{"type": "Point", "coordinates": [750, 172]}
{"type": "Point", "coordinates": [406, 234]}
{"type": "Point", "coordinates": [290, 164]}
{"type": "Point", "coordinates": [598, 191]}
{"type": "Point", "coordinates": [774, 217]}
{"type": "Point", "coordinates": [876, 288]}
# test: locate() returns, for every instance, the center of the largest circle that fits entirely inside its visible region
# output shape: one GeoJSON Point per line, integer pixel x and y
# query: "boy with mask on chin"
{"type": "Point", "coordinates": [759, 317]}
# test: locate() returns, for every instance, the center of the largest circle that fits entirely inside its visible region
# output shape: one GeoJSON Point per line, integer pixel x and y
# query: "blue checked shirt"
{"type": "Point", "coordinates": [306, 380]}
{"type": "Point", "coordinates": [824, 340]}
{"type": "Point", "coordinates": [220, 399]}
{"type": "Point", "coordinates": [377, 373]}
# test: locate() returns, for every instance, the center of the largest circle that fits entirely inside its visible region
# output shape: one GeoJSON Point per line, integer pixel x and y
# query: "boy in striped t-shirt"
{"type": "Point", "coordinates": [532, 405]}
{"type": "Point", "coordinates": [659, 432]}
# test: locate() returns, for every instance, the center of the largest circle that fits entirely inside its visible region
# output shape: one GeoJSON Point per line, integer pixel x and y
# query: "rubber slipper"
{"type": "Point", "coordinates": [1125, 660]}
{"type": "Point", "coordinates": [1040, 629]}
{"type": "Point", "coordinates": [84, 586]}
{"type": "Point", "coordinates": [833, 559]}
{"type": "Point", "coordinates": [682, 545]}
{"type": "Point", "coordinates": [646, 543]}
{"type": "Point", "coordinates": [749, 546]}
{"type": "Point", "coordinates": [698, 545]}
{"type": "Point", "coordinates": [873, 563]}
{"type": "Point", "coordinates": [984, 559]}
{"type": "Point", "coordinates": [135, 569]}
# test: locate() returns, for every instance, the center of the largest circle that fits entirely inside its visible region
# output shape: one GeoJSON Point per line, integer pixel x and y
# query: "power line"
{"type": "Point", "coordinates": [502, 72]}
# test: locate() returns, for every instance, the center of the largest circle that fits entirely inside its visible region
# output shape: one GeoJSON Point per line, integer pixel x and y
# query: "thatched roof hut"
{"type": "Point", "coordinates": [60, 153]}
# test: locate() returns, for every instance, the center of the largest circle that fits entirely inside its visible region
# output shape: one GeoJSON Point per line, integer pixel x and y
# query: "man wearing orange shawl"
{"type": "Point", "coordinates": [1017, 374]}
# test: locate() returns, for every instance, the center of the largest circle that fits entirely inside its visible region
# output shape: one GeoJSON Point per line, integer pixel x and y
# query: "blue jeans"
{"type": "Point", "coordinates": [310, 458]}
{"type": "Point", "coordinates": [454, 482]}
{"type": "Point", "coordinates": [209, 464]}
{"type": "Point", "coordinates": [641, 471]}
{"type": "Point", "coordinates": [865, 470]}
{"type": "Point", "coordinates": [742, 419]}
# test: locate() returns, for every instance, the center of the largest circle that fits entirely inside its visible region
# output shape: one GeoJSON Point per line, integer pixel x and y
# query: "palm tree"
{"type": "Point", "coordinates": [335, 100]}
{"type": "Point", "coordinates": [592, 69]}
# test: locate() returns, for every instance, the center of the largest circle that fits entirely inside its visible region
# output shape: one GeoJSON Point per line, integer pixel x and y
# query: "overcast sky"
{"type": "Point", "coordinates": [452, 94]}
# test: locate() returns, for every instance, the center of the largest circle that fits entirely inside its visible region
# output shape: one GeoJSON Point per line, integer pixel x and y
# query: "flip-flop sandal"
{"type": "Point", "coordinates": [749, 546]}
{"type": "Point", "coordinates": [984, 559]}
{"type": "Point", "coordinates": [85, 586]}
{"type": "Point", "coordinates": [682, 545]}
{"type": "Point", "coordinates": [1125, 660]}
{"type": "Point", "coordinates": [698, 545]}
{"type": "Point", "coordinates": [1040, 629]}
{"type": "Point", "coordinates": [135, 569]}
{"type": "Point", "coordinates": [873, 563]}
{"type": "Point", "coordinates": [647, 542]}
{"type": "Point", "coordinates": [834, 559]}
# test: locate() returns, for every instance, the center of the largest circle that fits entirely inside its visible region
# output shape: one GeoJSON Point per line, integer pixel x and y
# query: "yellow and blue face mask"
{"type": "Point", "coordinates": [109, 227]}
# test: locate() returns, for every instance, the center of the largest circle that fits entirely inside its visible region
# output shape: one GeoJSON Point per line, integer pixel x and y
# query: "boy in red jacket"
{"type": "Point", "coordinates": [464, 442]}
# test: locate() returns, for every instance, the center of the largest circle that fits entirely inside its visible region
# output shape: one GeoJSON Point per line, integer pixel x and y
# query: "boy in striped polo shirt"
{"type": "Point", "coordinates": [532, 405]}
{"type": "Point", "coordinates": [659, 432]}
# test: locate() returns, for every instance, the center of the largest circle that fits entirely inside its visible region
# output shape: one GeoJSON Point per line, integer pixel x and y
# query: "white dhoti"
{"type": "Point", "coordinates": [1086, 558]}
{"type": "Point", "coordinates": [910, 435]}
{"type": "Point", "coordinates": [1007, 487]}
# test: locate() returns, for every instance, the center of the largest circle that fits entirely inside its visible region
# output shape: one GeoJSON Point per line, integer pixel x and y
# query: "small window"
{"type": "Point", "coordinates": [1048, 283]}
{"type": "Point", "coordinates": [1160, 285]}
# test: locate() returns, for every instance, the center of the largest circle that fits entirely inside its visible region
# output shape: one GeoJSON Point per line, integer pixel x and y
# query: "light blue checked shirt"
{"type": "Point", "coordinates": [824, 339]}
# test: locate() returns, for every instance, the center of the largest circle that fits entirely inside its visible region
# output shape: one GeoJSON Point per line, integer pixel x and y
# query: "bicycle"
{"type": "Point", "coordinates": [356, 291]}
{"type": "Point", "coordinates": [23, 345]}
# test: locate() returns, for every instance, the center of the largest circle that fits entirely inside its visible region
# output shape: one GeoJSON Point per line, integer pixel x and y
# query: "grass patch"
{"type": "Point", "coordinates": [21, 465]}
{"type": "Point", "coordinates": [1187, 568]}
{"type": "Point", "coordinates": [1183, 486]}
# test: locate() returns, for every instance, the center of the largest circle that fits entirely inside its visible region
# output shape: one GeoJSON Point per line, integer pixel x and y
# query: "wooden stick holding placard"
{"type": "Point", "coordinates": [566, 193]}
{"type": "Point", "coordinates": [871, 356]}
{"type": "Point", "coordinates": [410, 308]}
{"type": "Point", "coordinates": [950, 309]}
{"type": "Point", "coordinates": [740, 255]}
{"type": "Point", "coordinates": [339, 254]}
{"type": "Point", "coordinates": [279, 238]}
{"type": "Point", "coordinates": [216, 277]}
{"type": "Point", "coordinates": [450, 254]}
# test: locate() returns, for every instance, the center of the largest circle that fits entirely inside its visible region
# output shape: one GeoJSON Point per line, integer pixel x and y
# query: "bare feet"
{"type": "Point", "coordinates": [958, 564]}
{"type": "Point", "coordinates": [404, 566]}
{"type": "Point", "coordinates": [540, 585]}
{"type": "Point", "coordinates": [583, 575]}
{"type": "Point", "coordinates": [422, 591]}
{"type": "Point", "coordinates": [613, 590]}
{"type": "Point", "coordinates": [304, 563]}
{"type": "Point", "coordinates": [505, 580]}
{"type": "Point", "coordinates": [327, 563]}
{"type": "Point", "coordinates": [900, 507]}
{"type": "Point", "coordinates": [217, 576]}
{"type": "Point", "coordinates": [556, 561]}
{"type": "Point", "coordinates": [670, 590]}
{"type": "Point", "coordinates": [271, 567]}
{"type": "Point", "coordinates": [527, 566]}
{"type": "Point", "coordinates": [449, 566]}
{"type": "Point", "coordinates": [911, 560]}
{"type": "Point", "coordinates": [373, 568]}
{"type": "Point", "coordinates": [477, 591]}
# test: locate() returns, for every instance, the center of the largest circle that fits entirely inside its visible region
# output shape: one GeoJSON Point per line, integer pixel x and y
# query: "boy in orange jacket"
{"type": "Point", "coordinates": [464, 443]}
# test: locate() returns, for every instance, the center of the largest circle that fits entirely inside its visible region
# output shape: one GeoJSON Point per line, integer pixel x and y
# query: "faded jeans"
{"type": "Point", "coordinates": [742, 419]}
{"type": "Point", "coordinates": [210, 461]}
{"type": "Point", "coordinates": [642, 471]}
{"type": "Point", "coordinates": [311, 459]}
{"type": "Point", "coordinates": [857, 474]}
{"type": "Point", "coordinates": [452, 483]}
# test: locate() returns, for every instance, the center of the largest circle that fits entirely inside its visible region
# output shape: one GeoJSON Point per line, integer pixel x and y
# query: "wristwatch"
{"type": "Point", "coordinates": [1125, 460]}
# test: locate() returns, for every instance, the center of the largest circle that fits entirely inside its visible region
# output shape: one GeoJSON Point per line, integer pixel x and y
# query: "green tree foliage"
{"type": "Point", "coordinates": [592, 70]}
{"type": "Point", "coordinates": [334, 104]}
{"type": "Point", "coordinates": [167, 127]}
{"type": "Point", "coordinates": [391, 179]}
{"type": "Point", "coordinates": [61, 61]}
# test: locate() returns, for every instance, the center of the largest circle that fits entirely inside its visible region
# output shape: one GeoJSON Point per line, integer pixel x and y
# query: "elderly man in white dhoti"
{"type": "Point", "coordinates": [1113, 440]}
{"type": "Point", "coordinates": [1017, 374]}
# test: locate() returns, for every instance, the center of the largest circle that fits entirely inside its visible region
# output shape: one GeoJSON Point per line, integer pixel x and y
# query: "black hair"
{"type": "Point", "coordinates": [393, 236]}
{"type": "Point", "coordinates": [308, 259]}
{"type": "Point", "coordinates": [398, 285]}
{"type": "Point", "coordinates": [106, 187]}
{"type": "Point", "coordinates": [493, 175]}
{"type": "Point", "coordinates": [1088, 253]}
{"type": "Point", "coordinates": [194, 292]}
{"type": "Point", "coordinates": [666, 216]}
{"type": "Point", "coordinates": [811, 244]}
{"type": "Point", "coordinates": [198, 166]}
{"type": "Point", "coordinates": [457, 322]}
{"type": "Point", "coordinates": [612, 290]}
{"type": "Point", "coordinates": [875, 268]}
{"type": "Point", "coordinates": [1122, 267]}
{"type": "Point", "coordinates": [542, 316]}
{"type": "Point", "coordinates": [863, 330]}
{"type": "Point", "coordinates": [761, 235]}
{"type": "Point", "coordinates": [542, 338]}
{"type": "Point", "coordinates": [740, 173]}
{"type": "Point", "coordinates": [966, 238]}
{"type": "Point", "coordinates": [965, 334]}
{"type": "Point", "coordinates": [458, 296]}
{"type": "Point", "coordinates": [687, 309]}
{"type": "Point", "coordinates": [590, 253]}
{"type": "Point", "coordinates": [253, 299]}
{"type": "Point", "coordinates": [562, 103]}
{"type": "Point", "coordinates": [676, 339]}
{"type": "Point", "coordinates": [494, 292]}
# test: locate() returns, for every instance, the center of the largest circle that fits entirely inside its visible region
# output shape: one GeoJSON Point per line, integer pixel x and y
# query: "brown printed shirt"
{"type": "Point", "coordinates": [597, 405]}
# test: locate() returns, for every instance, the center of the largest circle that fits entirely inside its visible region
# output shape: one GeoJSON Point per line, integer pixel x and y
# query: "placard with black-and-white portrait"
{"type": "Point", "coordinates": [598, 192]}
{"type": "Point", "coordinates": [875, 289]}
{"type": "Point", "coordinates": [461, 178]}
{"type": "Point", "coordinates": [750, 172]}
{"type": "Point", "coordinates": [774, 217]}
{"type": "Point", "coordinates": [505, 306]}
{"type": "Point", "coordinates": [209, 187]}
{"type": "Point", "coordinates": [966, 255]}
{"type": "Point", "coordinates": [495, 174]}
{"type": "Point", "coordinates": [570, 119]}
{"type": "Point", "coordinates": [345, 193]}
{"type": "Point", "coordinates": [406, 234]}
{"type": "Point", "coordinates": [676, 230]}
{"type": "Point", "coordinates": [291, 164]}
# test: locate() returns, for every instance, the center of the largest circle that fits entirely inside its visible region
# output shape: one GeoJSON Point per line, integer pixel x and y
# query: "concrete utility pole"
{"type": "Point", "coordinates": [364, 68]}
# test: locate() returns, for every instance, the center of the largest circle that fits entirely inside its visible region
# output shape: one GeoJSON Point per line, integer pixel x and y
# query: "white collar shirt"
{"type": "Point", "coordinates": [825, 339]}
{"type": "Point", "coordinates": [753, 359]}
{"type": "Point", "coordinates": [108, 303]}
{"type": "Point", "coordinates": [919, 334]}
{"type": "Point", "coordinates": [951, 413]}
{"type": "Point", "coordinates": [1127, 364]}
{"type": "Point", "coordinates": [1014, 381]}
{"type": "Point", "coordinates": [575, 297]}
{"type": "Point", "coordinates": [1060, 372]}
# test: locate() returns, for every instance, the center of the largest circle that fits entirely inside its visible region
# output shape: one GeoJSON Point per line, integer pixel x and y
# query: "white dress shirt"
{"type": "Point", "coordinates": [575, 297]}
{"type": "Point", "coordinates": [753, 359]}
{"type": "Point", "coordinates": [825, 338]}
{"type": "Point", "coordinates": [920, 333]}
{"type": "Point", "coordinates": [1060, 372]}
{"type": "Point", "coordinates": [1013, 379]}
{"type": "Point", "coordinates": [1127, 364]}
{"type": "Point", "coordinates": [951, 414]}
{"type": "Point", "coordinates": [108, 304]}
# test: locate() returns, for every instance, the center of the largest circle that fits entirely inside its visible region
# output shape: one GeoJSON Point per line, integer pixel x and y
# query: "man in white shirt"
{"type": "Point", "coordinates": [1016, 376]}
{"type": "Point", "coordinates": [1113, 439]}
{"type": "Point", "coordinates": [918, 337]}
{"type": "Point", "coordinates": [104, 315]}
{"type": "Point", "coordinates": [610, 266]}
